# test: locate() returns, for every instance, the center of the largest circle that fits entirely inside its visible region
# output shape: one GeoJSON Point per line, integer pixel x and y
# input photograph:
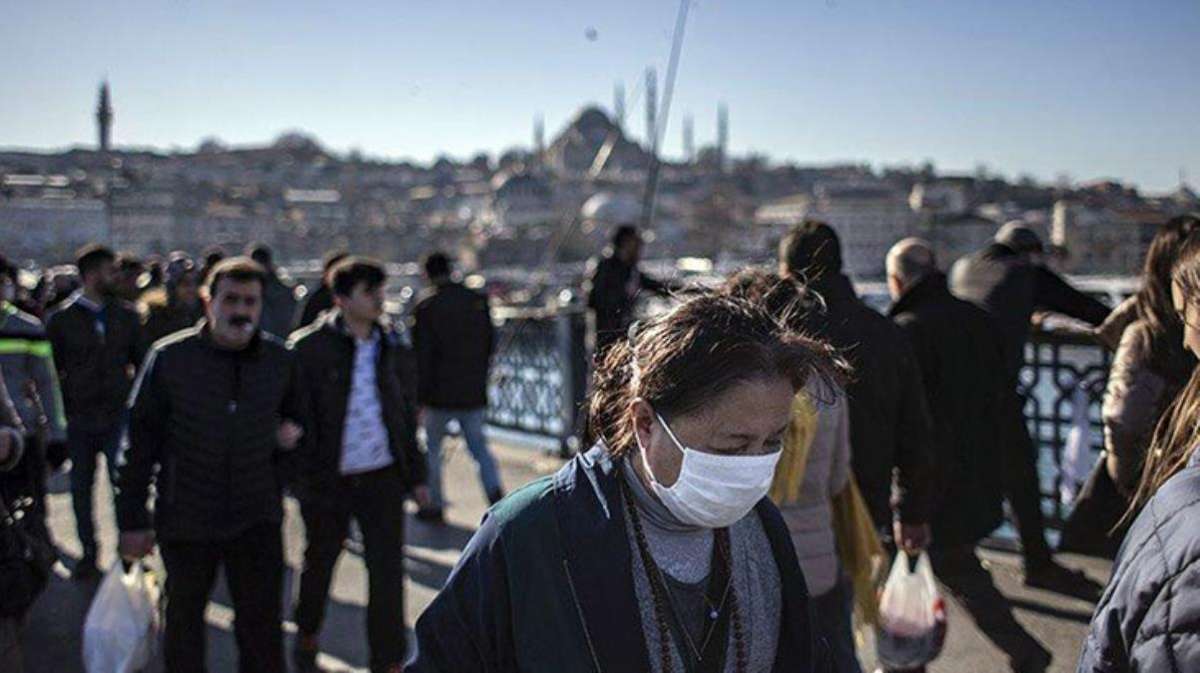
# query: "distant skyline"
{"type": "Point", "coordinates": [1087, 88]}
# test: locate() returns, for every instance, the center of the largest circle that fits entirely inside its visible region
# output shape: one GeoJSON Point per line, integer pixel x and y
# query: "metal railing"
{"type": "Point", "coordinates": [539, 373]}
{"type": "Point", "coordinates": [1061, 369]}
{"type": "Point", "coordinates": [539, 378]}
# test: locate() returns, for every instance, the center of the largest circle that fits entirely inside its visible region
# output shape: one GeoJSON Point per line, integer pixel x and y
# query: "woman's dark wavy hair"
{"type": "Point", "coordinates": [686, 358]}
{"type": "Point", "coordinates": [1168, 357]}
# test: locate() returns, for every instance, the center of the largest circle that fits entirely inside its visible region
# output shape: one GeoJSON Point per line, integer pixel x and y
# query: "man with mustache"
{"type": "Point", "coordinates": [94, 337]}
{"type": "Point", "coordinates": [213, 410]}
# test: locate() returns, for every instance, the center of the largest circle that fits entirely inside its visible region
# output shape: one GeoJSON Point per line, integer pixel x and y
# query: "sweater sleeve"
{"type": "Point", "coordinates": [1132, 404]}
{"type": "Point", "coordinates": [1057, 295]}
{"type": "Point", "coordinates": [913, 491]}
{"type": "Point", "coordinates": [148, 413]}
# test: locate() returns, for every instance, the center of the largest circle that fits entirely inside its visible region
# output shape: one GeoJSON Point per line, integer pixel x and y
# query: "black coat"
{"type": "Point", "coordinates": [325, 358]}
{"type": "Point", "coordinates": [962, 367]}
{"type": "Point", "coordinates": [454, 339]}
{"type": "Point", "coordinates": [890, 428]}
{"type": "Point", "coordinates": [546, 585]}
{"type": "Point", "coordinates": [318, 302]}
{"type": "Point", "coordinates": [94, 370]}
{"type": "Point", "coordinates": [207, 418]}
{"type": "Point", "coordinates": [1147, 618]}
{"type": "Point", "coordinates": [612, 288]}
{"type": "Point", "coordinates": [1011, 288]}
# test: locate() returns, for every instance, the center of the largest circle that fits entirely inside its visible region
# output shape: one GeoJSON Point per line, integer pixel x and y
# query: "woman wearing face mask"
{"type": "Point", "coordinates": [1147, 618]}
{"type": "Point", "coordinates": [656, 550]}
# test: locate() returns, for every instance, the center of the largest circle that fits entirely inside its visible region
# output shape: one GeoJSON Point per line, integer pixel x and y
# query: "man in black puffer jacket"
{"type": "Point", "coordinates": [359, 458]}
{"type": "Point", "coordinates": [212, 410]}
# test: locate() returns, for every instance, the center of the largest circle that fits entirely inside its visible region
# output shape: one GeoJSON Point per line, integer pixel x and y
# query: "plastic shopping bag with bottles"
{"type": "Point", "coordinates": [912, 615]}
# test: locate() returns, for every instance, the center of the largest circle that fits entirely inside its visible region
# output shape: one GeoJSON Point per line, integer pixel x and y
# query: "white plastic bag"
{"type": "Point", "coordinates": [120, 634]}
{"type": "Point", "coordinates": [912, 616]}
{"type": "Point", "coordinates": [1077, 458]}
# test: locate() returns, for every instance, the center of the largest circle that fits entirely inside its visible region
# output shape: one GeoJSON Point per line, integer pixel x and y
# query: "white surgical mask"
{"type": "Point", "coordinates": [712, 491]}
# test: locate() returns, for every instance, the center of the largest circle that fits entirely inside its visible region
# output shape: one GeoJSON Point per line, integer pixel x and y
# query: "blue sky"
{"type": "Point", "coordinates": [1089, 88]}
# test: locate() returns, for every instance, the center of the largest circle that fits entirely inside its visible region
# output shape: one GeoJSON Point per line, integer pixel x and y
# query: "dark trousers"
{"type": "Point", "coordinates": [376, 500]}
{"type": "Point", "coordinates": [253, 564]}
{"type": "Point", "coordinates": [1022, 486]}
{"type": "Point", "coordinates": [84, 445]}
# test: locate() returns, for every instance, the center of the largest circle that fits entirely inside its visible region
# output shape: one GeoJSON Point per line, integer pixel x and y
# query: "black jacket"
{"type": "Point", "coordinates": [962, 368]}
{"type": "Point", "coordinates": [95, 370]}
{"type": "Point", "coordinates": [318, 302]}
{"type": "Point", "coordinates": [207, 418]}
{"type": "Point", "coordinates": [891, 434]}
{"type": "Point", "coordinates": [325, 357]}
{"type": "Point", "coordinates": [546, 585]}
{"type": "Point", "coordinates": [1147, 618]}
{"type": "Point", "coordinates": [454, 340]}
{"type": "Point", "coordinates": [1011, 288]}
{"type": "Point", "coordinates": [612, 288]}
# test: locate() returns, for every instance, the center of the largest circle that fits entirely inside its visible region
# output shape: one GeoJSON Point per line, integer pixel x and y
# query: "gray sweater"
{"type": "Point", "coordinates": [684, 554]}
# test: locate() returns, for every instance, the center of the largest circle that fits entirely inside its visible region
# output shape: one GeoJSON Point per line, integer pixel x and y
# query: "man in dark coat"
{"type": "Point", "coordinates": [321, 299]}
{"type": "Point", "coordinates": [212, 424]}
{"type": "Point", "coordinates": [454, 340]}
{"type": "Point", "coordinates": [279, 296]}
{"type": "Point", "coordinates": [359, 458]}
{"type": "Point", "coordinates": [962, 367]}
{"type": "Point", "coordinates": [1007, 280]}
{"type": "Point", "coordinates": [96, 340]}
{"type": "Point", "coordinates": [891, 436]}
{"type": "Point", "coordinates": [613, 285]}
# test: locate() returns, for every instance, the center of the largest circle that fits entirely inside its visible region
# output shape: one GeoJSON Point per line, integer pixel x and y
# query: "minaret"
{"type": "Point", "coordinates": [619, 105]}
{"type": "Point", "coordinates": [722, 135]}
{"type": "Point", "coordinates": [104, 118]}
{"type": "Point", "coordinates": [539, 137]}
{"type": "Point", "coordinates": [651, 110]}
{"type": "Point", "coordinates": [689, 140]}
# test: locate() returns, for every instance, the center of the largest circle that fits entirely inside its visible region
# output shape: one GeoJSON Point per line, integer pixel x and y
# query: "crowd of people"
{"type": "Point", "coordinates": [753, 453]}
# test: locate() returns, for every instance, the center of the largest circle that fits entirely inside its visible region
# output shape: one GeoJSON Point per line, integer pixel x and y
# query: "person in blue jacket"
{"type": "Point", "coordinates": [1149, 616]}
{"type": "Point", "coordinates": [656, 550]}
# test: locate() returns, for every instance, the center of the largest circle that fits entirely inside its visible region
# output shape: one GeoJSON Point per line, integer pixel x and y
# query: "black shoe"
{"type": "Point", "coordinates": [432, 515]}
{"type": "Point", "coordinates": [1052, 576]}
{"type": "Point", "coordinates": [85, 569]}
{"type": "Point", "coordinates": [304, 655]}
{"type": "Point", "coordinates": [495, 496]}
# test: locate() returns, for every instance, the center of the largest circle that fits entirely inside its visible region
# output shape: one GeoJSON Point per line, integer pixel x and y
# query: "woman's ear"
{"type": "Point", "coordinates": [642, 415]}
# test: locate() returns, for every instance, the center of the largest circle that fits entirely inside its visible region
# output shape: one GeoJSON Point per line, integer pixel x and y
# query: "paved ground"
{"type": "Point", "coordinates": [53, 634]}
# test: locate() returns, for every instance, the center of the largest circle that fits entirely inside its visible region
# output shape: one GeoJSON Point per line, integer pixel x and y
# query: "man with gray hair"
{"type": "Point", "coordinates": [961, 358]}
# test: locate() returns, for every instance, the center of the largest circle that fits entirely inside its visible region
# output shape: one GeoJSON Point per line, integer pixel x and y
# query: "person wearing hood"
{"type": "Point", "coordinates": [175, 306]}
{"type": "Point", "coordinates": [962, 367]}
{"type": "Point", "coordinates": [1008, 280]}
{"type": "Point", "coordinates": [359, 459]}
{"type": "Point", "coordinates": [657, 549]}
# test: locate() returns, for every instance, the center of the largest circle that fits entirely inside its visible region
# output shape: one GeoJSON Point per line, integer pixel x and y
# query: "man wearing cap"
{"type": "Point", "coordinates": [1008, 280]}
